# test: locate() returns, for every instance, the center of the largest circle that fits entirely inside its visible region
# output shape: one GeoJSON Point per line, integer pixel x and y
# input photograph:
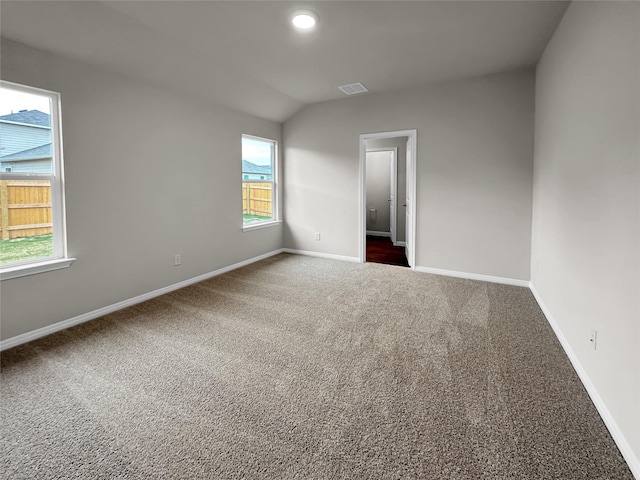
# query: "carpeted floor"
{"type": "Point", "coordinates": [297, 367]}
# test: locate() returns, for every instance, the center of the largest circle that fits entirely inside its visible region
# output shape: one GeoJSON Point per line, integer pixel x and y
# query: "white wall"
{"type": "Point", "coordinates": [149, 174]}
{"type": "Point", "coordinates": [474, 172]}
{"type": "Point", "coordinates": [378, 191]}
{"type": "Point", "coordinates": [585, 243]}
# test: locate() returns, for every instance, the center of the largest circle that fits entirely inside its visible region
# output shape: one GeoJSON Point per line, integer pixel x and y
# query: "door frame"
{"type": "Point", "coordinates": [411, 190]}
{"type": "Point", "coordinates": [393, 187]}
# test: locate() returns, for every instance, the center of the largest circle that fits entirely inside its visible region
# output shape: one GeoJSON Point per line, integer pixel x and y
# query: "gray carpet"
{"type": "Point", "coordinates": [297, 367]}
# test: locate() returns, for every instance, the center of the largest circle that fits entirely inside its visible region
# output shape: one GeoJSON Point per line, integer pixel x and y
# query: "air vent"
{"type": "Point", "coordinates": [353, 88]}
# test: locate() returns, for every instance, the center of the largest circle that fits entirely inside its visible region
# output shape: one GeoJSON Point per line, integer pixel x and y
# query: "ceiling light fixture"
{"type": "Point", "coordinates": [304, 19]}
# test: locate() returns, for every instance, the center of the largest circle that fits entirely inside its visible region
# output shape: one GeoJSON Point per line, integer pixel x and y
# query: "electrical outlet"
{"type": "Point", "coordinates": [317, 236]}
{"type": "Point", "coordinates": [177, 259]}
{"type": "Point", "coordinates": [594, 338]}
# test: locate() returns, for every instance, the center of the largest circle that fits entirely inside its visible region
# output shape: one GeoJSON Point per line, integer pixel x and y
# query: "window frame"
{"type": "Point", "coordinates": [59, 259]}
{"type": "Point", "coordinates": [275, 198]}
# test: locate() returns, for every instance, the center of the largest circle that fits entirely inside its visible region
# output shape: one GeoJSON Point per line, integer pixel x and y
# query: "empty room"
{"type": "Point", "coordinates": [320, 240]}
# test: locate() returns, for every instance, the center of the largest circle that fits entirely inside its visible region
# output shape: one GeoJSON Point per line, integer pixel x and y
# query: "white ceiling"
{"type": "Point", "coordinates": [246, 55]}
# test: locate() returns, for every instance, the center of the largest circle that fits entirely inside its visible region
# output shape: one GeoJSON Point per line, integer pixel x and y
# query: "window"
{"type": "Point", "coordinates": [259, 177]}
{"type": "Point", "coordinates": [32, 226]}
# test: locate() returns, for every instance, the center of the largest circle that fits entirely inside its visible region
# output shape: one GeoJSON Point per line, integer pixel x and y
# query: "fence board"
{"type": "Point", "coordinates": [25, 207]}
{"type": "Point", "coordinates": [257, 199]}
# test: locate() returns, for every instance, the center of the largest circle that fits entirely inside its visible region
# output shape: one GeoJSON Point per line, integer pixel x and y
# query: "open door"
{"type": "Point", "coordinates": [408, 206]}
{"type": "Point", "coordinates": [393, 189]}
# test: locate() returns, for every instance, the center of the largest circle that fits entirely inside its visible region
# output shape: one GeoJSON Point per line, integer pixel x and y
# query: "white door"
{"type": "Point", "coordinates": [392, 196]}
{"type": "Point", "coordinates": [408, 206]}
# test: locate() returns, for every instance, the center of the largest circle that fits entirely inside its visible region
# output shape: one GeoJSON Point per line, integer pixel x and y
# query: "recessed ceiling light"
{"type": "Point", "coordinates": [304, 19]}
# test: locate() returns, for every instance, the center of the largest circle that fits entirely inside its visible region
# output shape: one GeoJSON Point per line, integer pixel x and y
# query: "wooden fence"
{"type": "Point", "coordinates": [257, 199]}
{"type": "Point", "coordinates": [25, 207]}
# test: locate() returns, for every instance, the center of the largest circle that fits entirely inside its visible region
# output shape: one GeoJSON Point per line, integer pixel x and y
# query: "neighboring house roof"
{"type": "Point", "coordinates": [248, 167]}
{"type": "Point", "coordinates": [43, 151]}
{"type": "Point", "coordinates": [30, 117]}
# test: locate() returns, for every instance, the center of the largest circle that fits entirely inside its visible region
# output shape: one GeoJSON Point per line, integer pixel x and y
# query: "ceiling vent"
{"type": "Point", "coordinates": [353, 88]}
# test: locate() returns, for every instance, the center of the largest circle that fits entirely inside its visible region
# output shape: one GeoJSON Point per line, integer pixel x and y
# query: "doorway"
{"type": "Point", "coordinates": [387, 192]}
{"type": "Point", "coordinates": [384, 243]}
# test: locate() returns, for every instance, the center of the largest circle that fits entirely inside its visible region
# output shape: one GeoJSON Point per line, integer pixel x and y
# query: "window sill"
{"type": "Point", "coordinates": [33, 268]}
{"type": "Point", "coordinates": [258, 226]}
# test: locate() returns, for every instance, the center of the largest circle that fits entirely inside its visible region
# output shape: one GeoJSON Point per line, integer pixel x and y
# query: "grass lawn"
{"type": "Point", "coordinates": [254, 218]}
{"type": "Point", "coordinates": [25, 248]}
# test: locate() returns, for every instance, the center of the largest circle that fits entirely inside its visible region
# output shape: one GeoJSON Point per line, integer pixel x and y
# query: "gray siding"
{"type": "Point", "coordinates": [16, 137]}
{"type": "Point", "coordinates": [27, 166]}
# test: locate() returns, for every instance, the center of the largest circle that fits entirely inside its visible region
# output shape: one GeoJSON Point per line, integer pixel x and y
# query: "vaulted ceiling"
{"type": "Point", "coordinates": [247, 56]}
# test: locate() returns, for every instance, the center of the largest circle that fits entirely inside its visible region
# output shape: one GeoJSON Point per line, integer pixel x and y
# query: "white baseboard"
{"type": "Point", "coordinates": [400, 244]}
{"type": "Point", "coordinates": [56, 327]}
{"type": "Point", "coordinates": [378, 234]}
{"type": "Point", "coordinates": [330, 256]}
{"type": "Point", "coordinates": [617, 435]}
{"type": "Point", "coordinates": [473, 276]}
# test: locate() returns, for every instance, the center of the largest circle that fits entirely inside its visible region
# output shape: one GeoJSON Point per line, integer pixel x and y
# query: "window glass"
{"type": "Point", "coordinates": [258, 180]}
{"type": "Point", "coordinates": [31, 196]}
{"type": "Point", "coordinates": [25, 132]}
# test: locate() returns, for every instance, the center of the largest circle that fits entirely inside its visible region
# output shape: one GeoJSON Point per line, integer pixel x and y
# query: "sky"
{"type": "Point", "coordinates": [12, 101]}
{"type": "Point", "coordinates": [256, 151]}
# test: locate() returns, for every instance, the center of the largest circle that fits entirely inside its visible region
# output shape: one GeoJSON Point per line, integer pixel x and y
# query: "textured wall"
{"type": "Point", "coordinates": [149, 174]}
{"type": "Point", "coordinates": [474, 171]}
{"type": "Point", "coordinates": [585, 249]}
